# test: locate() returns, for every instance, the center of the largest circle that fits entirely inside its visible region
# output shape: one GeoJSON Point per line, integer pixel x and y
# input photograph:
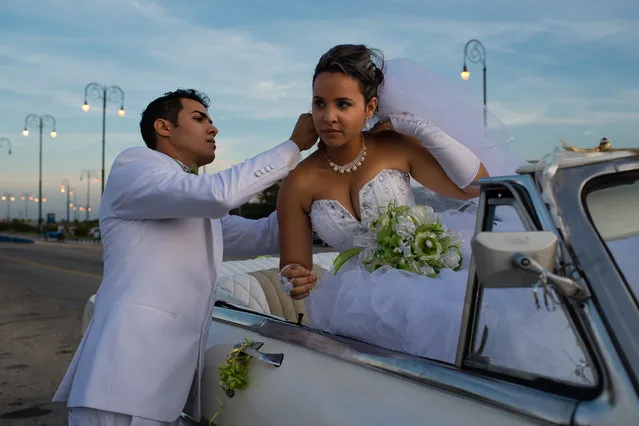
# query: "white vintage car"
{"type": "Point", "coordinates": [579, 215]}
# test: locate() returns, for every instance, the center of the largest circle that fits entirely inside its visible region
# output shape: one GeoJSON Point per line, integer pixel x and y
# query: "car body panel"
{"type": "Point", "coordinates": [340, 384]}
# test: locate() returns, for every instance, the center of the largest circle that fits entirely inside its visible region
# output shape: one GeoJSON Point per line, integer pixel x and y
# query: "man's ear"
{"type": "Point", "coordinates": [163, 127]}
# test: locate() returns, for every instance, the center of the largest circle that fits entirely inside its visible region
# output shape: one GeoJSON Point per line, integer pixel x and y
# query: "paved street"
{"type": "Point", "coordinates": [43, 289]}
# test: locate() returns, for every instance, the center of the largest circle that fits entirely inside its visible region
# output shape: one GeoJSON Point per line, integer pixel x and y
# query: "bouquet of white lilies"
{"type": "Point", "coordinates": [409, 238]}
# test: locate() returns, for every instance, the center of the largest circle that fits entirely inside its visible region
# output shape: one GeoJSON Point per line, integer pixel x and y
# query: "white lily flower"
{"type": "Point", "coordinates": [450, 259]}
{"type": "Point", "coordinates": [405, 228]}
{"type": "Point", "coordinates": [422, 214]}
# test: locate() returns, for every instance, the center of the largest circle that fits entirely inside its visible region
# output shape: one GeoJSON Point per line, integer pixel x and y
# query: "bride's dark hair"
{"type": "Point", "coordinates": [358, 61]}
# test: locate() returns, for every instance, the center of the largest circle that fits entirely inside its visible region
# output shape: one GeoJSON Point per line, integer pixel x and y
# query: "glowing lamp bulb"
{"type": "Point", "coordinates": [465, 75]}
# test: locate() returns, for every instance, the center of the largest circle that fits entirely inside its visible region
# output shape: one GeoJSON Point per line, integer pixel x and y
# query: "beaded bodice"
{"type": "Point", "coordinates": [336, 226]}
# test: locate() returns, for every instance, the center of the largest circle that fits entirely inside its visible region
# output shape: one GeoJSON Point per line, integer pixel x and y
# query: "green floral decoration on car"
{"type": "Point", "coordinates": [234, 372]}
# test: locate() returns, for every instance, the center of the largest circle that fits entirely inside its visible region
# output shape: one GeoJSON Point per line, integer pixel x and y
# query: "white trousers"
{"type": "Point", "coordinates": [81, 416]}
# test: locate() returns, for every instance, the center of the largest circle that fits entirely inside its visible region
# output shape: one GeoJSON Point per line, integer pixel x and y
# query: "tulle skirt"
{"type": "Point", "coordinates": [391, 308]}
{"type": "Point", "coordinates": [396, 309]}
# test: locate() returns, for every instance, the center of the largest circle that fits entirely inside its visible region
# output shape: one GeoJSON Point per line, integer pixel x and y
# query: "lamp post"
{"type": "Point", "coordinates": [104, 93]}
{"type": "Point", "coordinates": [66, 188]}
{"type": "Point", "coordinates": [26, 197]}
{"type": "Point", "coordinates": [75, 205]}
{"type": "Point", "coordinates": [3, 140]}
{"type": "Point", "coordinates": [89, 174]}
{"type": "Point", "coordinates": [474, 51]}
{"type": "Point", "coordinates": [40, 121]}
{"type": "Point", "coordinates": [9, 198]}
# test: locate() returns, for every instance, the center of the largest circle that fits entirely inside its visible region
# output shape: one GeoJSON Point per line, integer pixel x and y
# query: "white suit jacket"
{"type": "Point", "coordinates": [164, 232]}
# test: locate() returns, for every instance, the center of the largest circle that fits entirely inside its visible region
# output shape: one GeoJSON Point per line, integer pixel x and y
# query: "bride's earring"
{"type": "Point", "coordinates": [367, 125]}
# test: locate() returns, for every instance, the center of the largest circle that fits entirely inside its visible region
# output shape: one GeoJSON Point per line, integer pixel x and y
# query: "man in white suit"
{"type": "Point", "coordinates": [164, 231]}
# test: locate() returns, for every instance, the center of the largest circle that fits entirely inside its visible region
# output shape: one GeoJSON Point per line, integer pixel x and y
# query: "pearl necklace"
{"type": "Point", "coordinates": [353, 165]}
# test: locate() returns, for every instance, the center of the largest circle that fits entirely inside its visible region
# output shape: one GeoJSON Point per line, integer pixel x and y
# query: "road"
{"type": "Point", "coordinates": [43, 289]}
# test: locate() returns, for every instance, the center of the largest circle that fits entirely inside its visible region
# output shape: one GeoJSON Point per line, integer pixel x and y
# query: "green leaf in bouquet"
{"type": "Point", "coordinates": [343, 257]}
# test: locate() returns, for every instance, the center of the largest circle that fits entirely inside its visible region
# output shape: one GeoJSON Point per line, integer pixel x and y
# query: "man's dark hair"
{"type": "Point", "coordinates": [167, 107]}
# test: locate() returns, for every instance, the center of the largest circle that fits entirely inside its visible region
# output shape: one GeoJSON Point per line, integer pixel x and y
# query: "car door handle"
{"type": "Point", "coordinates": [253, 351]}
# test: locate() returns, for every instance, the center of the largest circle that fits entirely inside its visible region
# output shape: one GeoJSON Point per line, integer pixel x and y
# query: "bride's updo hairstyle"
{"type": "Point", "coordinates": [357, 61]}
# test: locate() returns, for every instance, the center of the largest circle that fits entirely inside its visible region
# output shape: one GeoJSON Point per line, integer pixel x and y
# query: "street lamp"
{"type": "Point", "coordinates": [89, 174]}
{"type": "Point", "coordinates": [474, 51]}
{"type": "Point", "coordinates": [40, 121]}
{"type": "Point", "coordinates": [9, 198]}
{"type": "Point", "coordinates": [3, 140]}
{"type": "Point", "coordinates": [104, 93]}
{"type": "Point", "coordinates": [26, 197]}
{"type": "Point", "coordinates": [66, 188]}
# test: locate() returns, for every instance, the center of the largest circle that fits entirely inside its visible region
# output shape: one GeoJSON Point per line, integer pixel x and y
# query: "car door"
{"type": "Point", "coordinates": [326, 380]}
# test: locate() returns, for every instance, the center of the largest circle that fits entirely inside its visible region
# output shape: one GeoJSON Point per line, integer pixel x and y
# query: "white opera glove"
{"type": "Point", "coordinates": [459, 163]}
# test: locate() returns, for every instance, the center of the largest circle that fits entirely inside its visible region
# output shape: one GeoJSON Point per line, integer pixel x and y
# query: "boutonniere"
{"type": "Point", "coordinates": [193, 169]}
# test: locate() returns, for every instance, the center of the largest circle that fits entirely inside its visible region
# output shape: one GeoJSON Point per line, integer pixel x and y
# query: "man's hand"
{"type": "Point", "coordinates": [302, 279]}
{"type": "Point", "coordinates": [304, 134]}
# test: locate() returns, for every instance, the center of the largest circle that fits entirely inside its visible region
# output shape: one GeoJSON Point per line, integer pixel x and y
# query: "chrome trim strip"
{"type": "Point", "coordinates": [186, 420]}
{"type": "Point", "coordinates": [514, 398]}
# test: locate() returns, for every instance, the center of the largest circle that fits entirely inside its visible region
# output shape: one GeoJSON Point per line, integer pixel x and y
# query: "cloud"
{"type": "Point", "coordinates": [621, 107]}
{"type": "Point", "coordinates": [256, 63]}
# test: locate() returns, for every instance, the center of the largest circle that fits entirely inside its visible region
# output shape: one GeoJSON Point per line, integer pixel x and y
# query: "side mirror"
{"type": "Point", "coordinates": [495, 252]}
{"type": "Point", "coordinates": [520, 259]}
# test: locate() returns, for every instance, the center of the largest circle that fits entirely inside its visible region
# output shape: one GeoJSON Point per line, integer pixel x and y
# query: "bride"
{"type": "Point", "coordinates": [357, 170]}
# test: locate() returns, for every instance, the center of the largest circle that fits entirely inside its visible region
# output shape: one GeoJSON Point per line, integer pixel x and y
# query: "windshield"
{"type": "Point", "coordinates": [614, 210]}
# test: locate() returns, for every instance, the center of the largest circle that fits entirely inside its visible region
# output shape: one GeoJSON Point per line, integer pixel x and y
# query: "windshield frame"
{"type": "Point", "coordinates": [611, 295]}
{"type": "Point", "coordinates": [607, 182]}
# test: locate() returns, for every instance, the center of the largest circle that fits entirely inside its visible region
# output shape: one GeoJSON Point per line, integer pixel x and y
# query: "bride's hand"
{"type": "Point", "coordinates": [297, 281]}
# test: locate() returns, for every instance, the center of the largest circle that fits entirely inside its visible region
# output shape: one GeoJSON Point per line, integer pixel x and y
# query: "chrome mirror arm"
{"type": "Point", "coordinates": [566, 286]}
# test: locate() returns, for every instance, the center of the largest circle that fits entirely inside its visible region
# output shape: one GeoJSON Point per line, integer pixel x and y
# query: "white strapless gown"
{"type": "Point", "coordinates": [421, 316]}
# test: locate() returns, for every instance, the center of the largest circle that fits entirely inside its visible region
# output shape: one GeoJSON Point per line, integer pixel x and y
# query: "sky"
{"type": "Point", "coordinates": [556, 70]}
